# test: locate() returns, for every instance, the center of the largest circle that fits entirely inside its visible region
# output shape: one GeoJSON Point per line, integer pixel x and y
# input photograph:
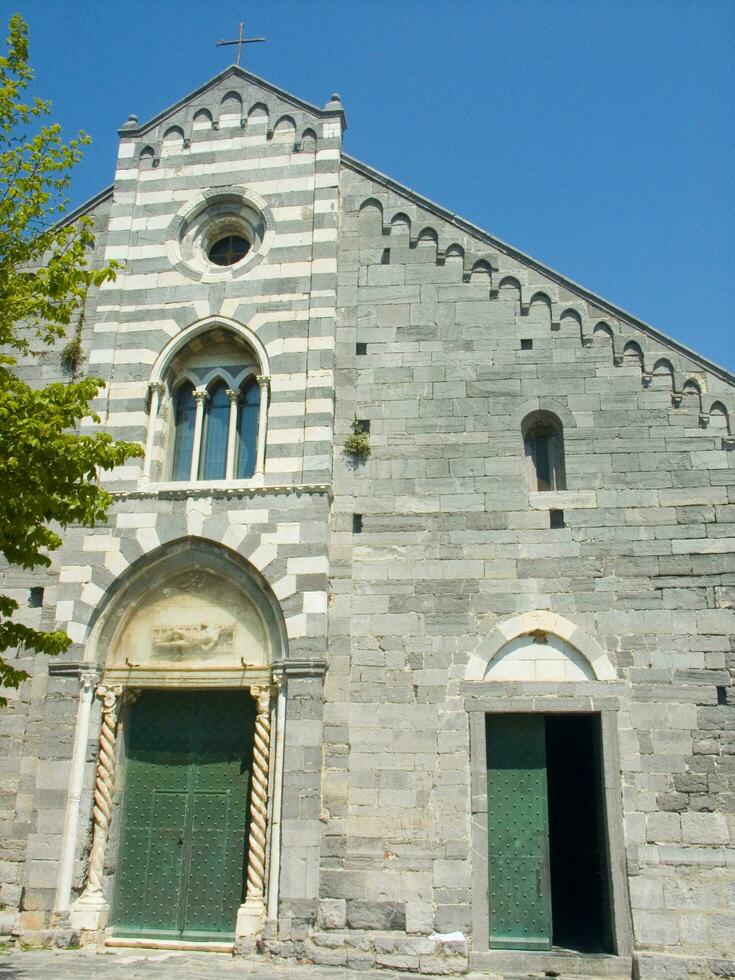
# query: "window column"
{"type": "Point", "coordinates": [156, 389]}
{"type": "Point", "coordinates": [234, 397]}
{"type": "Point", "coordinates": [264, 384]}
{"type": "Point", "coordinates": [200, 397]}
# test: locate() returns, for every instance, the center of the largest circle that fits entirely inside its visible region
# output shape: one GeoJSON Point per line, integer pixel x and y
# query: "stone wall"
{"type": "Point", "coordinates": [430, 352]}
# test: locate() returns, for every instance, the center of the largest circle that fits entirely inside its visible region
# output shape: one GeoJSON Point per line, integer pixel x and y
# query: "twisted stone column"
{"type": "Point", "coordinates": [103, 787]}
{"type": "Point", "coordinates": [90, 910]}
{"type": "Point", "coordinates": [251, 915]}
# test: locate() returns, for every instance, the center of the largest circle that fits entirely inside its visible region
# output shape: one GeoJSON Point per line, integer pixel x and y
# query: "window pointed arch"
{"type": "Point", "coordinates": [247, 428]}
{"type": "Point", "coordinates": [214, 435]}
{"type": "Point", "coordinates": [184, 421]}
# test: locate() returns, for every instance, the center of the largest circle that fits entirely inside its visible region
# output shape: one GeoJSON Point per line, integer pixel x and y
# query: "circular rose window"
{"type": "Point", "coordinates": [229, 250]}
{"type": "Point", "coordinates": [222, 235]}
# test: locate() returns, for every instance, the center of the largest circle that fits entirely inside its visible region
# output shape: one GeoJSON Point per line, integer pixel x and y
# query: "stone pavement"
{"type": "Point", "coordinates": [128, 964]}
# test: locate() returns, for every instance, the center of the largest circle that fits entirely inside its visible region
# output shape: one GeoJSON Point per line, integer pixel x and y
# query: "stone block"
{"type": "Point", "coordinates": [450, 874]}
{"type": "Point", "coordinates": [419, 918]}
{"type": "Point", "coordinates": [332, 913]}
{"type": "Point", "coordinates": [646, 893]}
{"type": "Point", "coordinates": [360, 960]}
{"type": "Point", "coordinates": [7, 922]}
{"type": "Point", "coordinates": [376, 915]}
{"type": "Point", "coordinates": [656, 928]}
{"type": "Point", "coordinates": [326, 957]}
{"type": "Point", "coordinates": [721, 929]}
{"type": "Point", "coordinates": [663, 827]}
{"type": "Point", "coordinates": [397, 961]}
{"type": "Point", "coordinates": [704, 828]}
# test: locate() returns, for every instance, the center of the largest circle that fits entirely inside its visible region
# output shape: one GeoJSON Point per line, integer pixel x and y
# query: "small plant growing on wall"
{"type": "Point", "coordinates": [73, 353]}
{"type": "Point", "coordinates": [357, 445]}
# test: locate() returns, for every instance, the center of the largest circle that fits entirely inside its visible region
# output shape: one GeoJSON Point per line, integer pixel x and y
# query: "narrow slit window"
{"type": "Point", "coordinates": [35, 596]}
{"type": "Point", "coordinates": [543, 442]}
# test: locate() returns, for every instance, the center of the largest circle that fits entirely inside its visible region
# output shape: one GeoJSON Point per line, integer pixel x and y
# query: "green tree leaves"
{"type": "Point", "coordinates": [48, 471]}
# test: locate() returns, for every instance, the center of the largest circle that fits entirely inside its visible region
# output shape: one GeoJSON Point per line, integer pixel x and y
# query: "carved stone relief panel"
{"type": "Point", "coordinates": [195, 620]}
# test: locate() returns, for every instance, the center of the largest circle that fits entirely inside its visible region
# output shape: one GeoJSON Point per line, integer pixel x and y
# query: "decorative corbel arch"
{"type": "Point", "coordinates": [543, 621]}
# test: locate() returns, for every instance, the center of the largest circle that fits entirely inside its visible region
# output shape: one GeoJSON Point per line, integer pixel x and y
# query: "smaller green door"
{"type": "Point", "coordinates": [519, 893]}
{"type": "Point", "coordinates": [180, 869]}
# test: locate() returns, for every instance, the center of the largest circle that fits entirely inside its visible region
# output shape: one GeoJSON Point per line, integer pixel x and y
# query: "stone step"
{"type": "Point", "coordinates": [564, 965]}
{"type": "Point", "coordinates": [556, 976]}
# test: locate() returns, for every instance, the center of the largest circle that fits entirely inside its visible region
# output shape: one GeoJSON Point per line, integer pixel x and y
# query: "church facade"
{"type": "Point", "coordinates": [408, 643]}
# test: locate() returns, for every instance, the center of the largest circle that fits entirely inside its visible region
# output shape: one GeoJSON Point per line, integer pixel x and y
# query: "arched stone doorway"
{"type": "Point", "coordinates": [183, 645]}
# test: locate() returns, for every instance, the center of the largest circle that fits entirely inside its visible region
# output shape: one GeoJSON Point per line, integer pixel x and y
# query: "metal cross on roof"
{"type": "Point", "coordinates": [240, 41]}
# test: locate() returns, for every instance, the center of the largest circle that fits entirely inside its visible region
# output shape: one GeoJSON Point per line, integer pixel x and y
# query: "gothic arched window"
{"type": "Point", "coordinates": [543, 442]}
{"type": "Point", "coordinates": [216, 411]}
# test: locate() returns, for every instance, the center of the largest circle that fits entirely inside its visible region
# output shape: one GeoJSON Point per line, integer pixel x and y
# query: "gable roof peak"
{"type": "Point", "coordinates": [132, 128]}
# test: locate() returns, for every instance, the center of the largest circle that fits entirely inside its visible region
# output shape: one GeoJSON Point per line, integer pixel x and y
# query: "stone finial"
{"type": "Point", "coordinates": [131, 123]}
{"type": "Point", "coordinates": [332, 126]}
{"type": "Point", "coordinates": [335, 103]}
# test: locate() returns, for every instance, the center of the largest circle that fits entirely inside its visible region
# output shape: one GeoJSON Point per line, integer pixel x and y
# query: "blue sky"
{"type": "Point", "coordinates": [595, 136]}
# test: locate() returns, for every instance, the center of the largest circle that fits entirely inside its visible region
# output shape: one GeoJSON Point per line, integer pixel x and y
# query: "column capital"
{"type": "Point", "coordinates": [157, 386]}
{"type": "Point", "coordinates": [262, 697]}
{"type": "Point", "coordinates": [109, 696]}
{"type": "Point", "coordinates": [201, 394]}
{"type": "Point", "coordinates": [88, 677]}
{"type": "Point", "coordinates": [233, 394]}
{"type": "Point", "coordinates": [263, 380]}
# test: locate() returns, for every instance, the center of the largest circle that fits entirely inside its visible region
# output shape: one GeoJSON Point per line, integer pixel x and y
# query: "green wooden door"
{"type": "Point", "coordinates": [519, 892]}
{"type": "Point", "coordinates": [180, 868]}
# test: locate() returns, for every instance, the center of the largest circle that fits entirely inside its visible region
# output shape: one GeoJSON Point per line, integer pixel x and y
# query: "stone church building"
{"type": "Point", "coordinates": [408, 643]}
